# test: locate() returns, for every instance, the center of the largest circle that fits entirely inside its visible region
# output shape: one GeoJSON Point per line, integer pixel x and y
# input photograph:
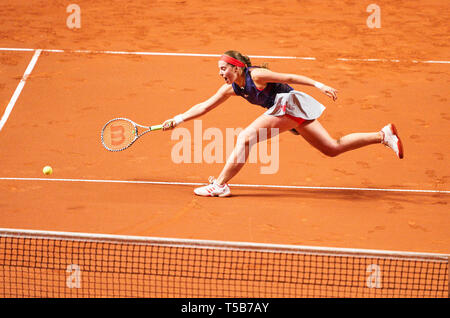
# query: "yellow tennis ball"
{"type": "Point", "coordinates": [47, 170]}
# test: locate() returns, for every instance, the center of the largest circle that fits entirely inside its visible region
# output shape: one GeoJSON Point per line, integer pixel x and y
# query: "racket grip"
{"type": "Point", "coordinates": [156, 127]}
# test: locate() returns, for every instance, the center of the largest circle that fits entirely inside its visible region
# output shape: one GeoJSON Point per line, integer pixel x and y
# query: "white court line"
{"type": "Point", "coordinates": [262, 186]}
{"type": "Point", "coordinates": [16, 49]}
{"type": "Point", "coordinates": [217, 55]}
{"type": "Point", "coordinates": [19, 88]}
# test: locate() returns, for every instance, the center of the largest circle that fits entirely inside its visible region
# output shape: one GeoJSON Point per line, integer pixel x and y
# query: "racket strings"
{"type": "Point", "coordinates": [119, 134]}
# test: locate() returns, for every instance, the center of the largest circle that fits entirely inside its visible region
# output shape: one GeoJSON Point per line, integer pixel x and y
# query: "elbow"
{"type": "Point", "coordinates": [198, 110]}
{"type": "Point", "coordinates": [206, 107]}
{"type": "Point", "coordinates": [287, 79]}
{"type": "Point", "coordinates": [203, 109]}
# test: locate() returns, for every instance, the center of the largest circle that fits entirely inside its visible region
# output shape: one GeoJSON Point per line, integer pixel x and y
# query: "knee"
{"type": "Point", "coordinates": [332, 149]}
{"type": "Point", "coordinates": [246, 139]}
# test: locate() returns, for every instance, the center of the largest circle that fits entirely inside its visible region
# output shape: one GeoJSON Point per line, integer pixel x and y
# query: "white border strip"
{"type": "Point", "coordinates": [247, 246]}
{"type": "Point", "coordinates": [16, 49]}
{"type": "Point", "coordinates": [217, 55]}
{"type": "Point", "coordinates": [231, 185]}
{"type": "Point", "coordinates": [19, 88]}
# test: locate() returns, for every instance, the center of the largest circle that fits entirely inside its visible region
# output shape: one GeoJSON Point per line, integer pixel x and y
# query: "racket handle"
{"type": "Point", "coordinates": [156, 127]}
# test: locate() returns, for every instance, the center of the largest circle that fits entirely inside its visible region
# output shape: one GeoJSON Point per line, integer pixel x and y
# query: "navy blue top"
{"type": "Point", "coordinates": [265, 97]}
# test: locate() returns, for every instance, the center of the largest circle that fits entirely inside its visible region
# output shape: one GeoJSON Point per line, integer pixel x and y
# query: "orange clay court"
{"type": "Point", "coordinates": [397, 73]}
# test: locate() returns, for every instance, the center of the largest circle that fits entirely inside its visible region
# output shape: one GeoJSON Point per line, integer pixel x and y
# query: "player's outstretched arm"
{"type": "Point", "coordinates": [202, 108]}
{"type": "Point", "coordinates": [264, 76]}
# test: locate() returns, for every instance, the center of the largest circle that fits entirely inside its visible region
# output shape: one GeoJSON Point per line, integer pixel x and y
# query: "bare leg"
{"type": "Point", "coordinates": [311, 131]}
{"type": "Point", "coordinates": [250, 136]}
{"type": "Point", "coordinates": [318, 137]}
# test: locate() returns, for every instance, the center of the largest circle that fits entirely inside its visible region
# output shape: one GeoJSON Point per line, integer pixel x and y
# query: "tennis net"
{"type": "Point", "coordinates": [65, 265]}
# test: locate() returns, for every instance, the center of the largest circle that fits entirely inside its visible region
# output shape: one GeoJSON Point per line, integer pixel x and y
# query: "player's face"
{"type": "Point", "coordinates": [228, 72]}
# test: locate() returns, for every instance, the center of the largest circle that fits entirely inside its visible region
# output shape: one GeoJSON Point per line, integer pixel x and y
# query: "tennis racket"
{"type": "Point", "coordinates": [120, 133]}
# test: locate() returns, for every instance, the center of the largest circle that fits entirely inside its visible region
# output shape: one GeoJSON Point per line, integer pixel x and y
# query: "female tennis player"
{"type": "Point", "coordinates": [288, 110]}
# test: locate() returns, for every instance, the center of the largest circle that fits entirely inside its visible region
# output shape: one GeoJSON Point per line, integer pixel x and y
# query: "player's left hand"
{"type": "Point", "coordinates": [330, 92]}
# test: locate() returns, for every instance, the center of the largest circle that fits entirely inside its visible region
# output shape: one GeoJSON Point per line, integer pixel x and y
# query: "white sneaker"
{"type": "Point", "coordinates": [213, 189]}
{"type": "Point", "coordinates": [392, 140]}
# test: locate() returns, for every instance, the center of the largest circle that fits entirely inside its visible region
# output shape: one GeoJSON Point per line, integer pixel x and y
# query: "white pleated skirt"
{"type": "Point", "coordinates": [296, 104]}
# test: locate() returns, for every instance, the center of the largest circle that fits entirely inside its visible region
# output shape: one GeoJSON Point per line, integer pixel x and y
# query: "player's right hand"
{"type": "Point", "coordinates": [169, 124]}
